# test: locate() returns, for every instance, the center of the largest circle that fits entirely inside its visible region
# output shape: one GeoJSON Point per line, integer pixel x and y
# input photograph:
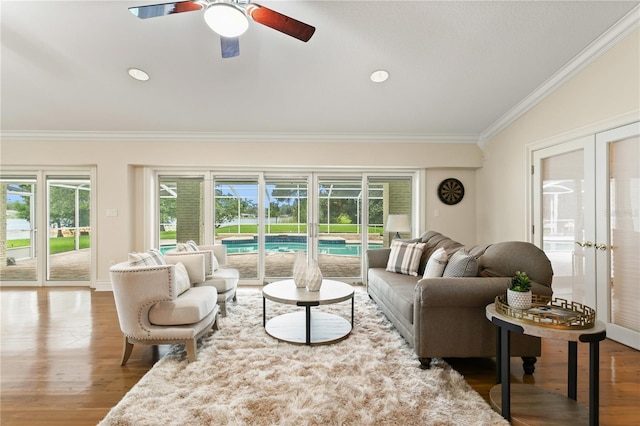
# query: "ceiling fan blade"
{"type": "Point", "coordinates": [230, 47]}
{"type": "Point", "coordinates": [155, 10]}
{"type": "Point", "coordinates": [280, 22]}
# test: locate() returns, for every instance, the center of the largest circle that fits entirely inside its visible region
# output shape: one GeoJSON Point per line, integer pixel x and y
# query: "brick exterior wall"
{"type": "Point", "coordinates": [189, 211]}
{"type": "Point", "coordinates": [397, 200]}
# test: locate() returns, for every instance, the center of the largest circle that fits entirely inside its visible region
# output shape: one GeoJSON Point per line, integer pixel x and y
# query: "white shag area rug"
{"type": "Point", "coordinates": [245, 377]}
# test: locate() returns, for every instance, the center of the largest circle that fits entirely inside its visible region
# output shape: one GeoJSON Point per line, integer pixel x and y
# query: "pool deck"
{"type": "Point", "coordinates": [75, 266]}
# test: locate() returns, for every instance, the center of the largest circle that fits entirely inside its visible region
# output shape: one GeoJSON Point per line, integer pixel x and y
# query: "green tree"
{"type": "Point", "coordinates": [62, 207]}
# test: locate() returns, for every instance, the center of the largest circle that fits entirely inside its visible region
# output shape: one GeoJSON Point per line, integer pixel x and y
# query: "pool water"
{"type": "Point", "coordinates": [289, 247]}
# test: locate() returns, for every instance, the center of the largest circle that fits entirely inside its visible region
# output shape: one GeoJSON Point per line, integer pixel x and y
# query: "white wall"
{"type": "Point", "coordinates": [456, 221]}
{"type": "Point", "coordinates": [120, 166]}
{"type": "Point", "coordinates": [605, 92]}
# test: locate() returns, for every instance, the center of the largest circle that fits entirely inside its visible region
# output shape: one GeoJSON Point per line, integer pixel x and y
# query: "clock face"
{"type": "Point", "coordinates": [450, 191]}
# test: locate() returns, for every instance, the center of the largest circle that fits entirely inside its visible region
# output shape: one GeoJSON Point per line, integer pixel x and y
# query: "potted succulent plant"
{"type": "Point", "coordinates": [519, 293]}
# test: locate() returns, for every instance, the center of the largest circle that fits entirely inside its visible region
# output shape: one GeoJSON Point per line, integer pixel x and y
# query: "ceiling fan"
{"type": "Point", "coordinates": [229, 18]}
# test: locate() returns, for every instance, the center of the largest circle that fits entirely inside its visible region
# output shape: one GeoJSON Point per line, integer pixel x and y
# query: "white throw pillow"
{"type": "Point", "coordinates": [405, 257]}
{"type": "Point", "coordinates": [461, 264]}
{"type": "Point", "coordinates": [182, 278]}
{"type": "Point", "coordinates": [436, 264]}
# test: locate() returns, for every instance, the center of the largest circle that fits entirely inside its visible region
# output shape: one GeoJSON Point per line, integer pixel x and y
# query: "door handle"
{"type": "Point", "coordinates": [601, 246]}
{"type": "Point", "coordinates": [584, 243]}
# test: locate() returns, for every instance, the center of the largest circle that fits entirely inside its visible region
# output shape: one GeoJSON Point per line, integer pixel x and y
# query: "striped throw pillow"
{"type": "Point", "coordinates": [405, 257]}
{"type": "Point", "coordinates": [152, 257]}
{"type": "Point", "coordinates": [461, 264]}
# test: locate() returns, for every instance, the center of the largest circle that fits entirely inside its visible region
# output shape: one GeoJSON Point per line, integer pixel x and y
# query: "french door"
{"type": "Point", "coordinates": [47, 219]}
{"type": "Point", "coordinates": [586, 197]}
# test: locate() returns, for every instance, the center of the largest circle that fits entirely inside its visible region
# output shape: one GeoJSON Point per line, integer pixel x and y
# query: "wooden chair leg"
{"type": "Point", "coordinates": [223, 308]}
{"type": "Point", "coordinates": [127, 348]}
{"type": "Point", "coordinates": [191, 349]}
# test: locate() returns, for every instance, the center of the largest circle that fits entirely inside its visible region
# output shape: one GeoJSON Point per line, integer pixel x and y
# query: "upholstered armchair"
{"type": "Point", "coordinates": [217, 274]}
{"type": "Point", "coordinates": [156, 304]}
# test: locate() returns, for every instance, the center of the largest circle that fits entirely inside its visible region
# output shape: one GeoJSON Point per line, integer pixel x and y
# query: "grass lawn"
{"type": "Point", "coordinates": [56, 245]}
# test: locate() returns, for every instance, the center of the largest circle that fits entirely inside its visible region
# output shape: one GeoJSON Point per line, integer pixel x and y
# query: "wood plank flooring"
{"type": "Point", "coordinates": [60, 351]}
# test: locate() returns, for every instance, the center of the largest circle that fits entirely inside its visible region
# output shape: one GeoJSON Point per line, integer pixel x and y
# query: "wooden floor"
{"type": "Point", "coordinates": [61, 348]}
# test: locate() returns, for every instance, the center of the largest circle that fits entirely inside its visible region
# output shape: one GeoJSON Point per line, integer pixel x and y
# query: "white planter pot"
{"type": "Point", "coordinates": [519, 299]}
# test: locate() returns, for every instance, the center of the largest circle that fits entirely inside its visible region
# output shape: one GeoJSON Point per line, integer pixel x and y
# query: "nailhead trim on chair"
{"type": "Point", "coordinates": [143, 308]}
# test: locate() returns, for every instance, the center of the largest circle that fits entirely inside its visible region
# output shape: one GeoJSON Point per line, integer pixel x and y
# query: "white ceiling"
{"type": "Point", "coordinates": [457, 68]}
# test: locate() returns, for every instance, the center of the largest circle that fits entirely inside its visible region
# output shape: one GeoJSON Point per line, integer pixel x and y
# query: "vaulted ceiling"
{"type": "Point", "coordinates": [458, 69]}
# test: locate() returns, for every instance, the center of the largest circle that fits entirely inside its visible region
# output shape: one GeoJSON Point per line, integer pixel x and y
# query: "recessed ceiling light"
{"type": "Point", "coordinates": [379, 76]}
{"type": "Point", "coordinates": [138, 74]}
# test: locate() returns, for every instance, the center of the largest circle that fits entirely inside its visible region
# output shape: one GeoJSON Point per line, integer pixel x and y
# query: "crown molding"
{"type": "Point", "coordinates": [622, 28]}
{"type": "Point", "coordinates": [87, 136]}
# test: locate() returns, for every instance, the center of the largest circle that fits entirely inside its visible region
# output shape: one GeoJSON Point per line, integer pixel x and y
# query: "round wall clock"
{"type": "Point", "coordinates": [450, 191]}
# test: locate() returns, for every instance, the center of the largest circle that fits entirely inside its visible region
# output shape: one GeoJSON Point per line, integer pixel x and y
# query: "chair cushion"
{"type": "Point", "coordinates": [224, 279]}
{"type": "Point", "coordinates": [405, 257]}
{"type": "Point", "coordinates": [190, 307]}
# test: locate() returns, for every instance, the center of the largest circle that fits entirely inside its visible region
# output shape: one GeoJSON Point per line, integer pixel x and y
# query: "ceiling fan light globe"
{"type": "Point", "coordinates": [226, 19]}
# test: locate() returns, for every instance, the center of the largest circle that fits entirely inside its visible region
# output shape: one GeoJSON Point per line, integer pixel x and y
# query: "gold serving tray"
{"type": "Point", "coordinates": [550, 312]}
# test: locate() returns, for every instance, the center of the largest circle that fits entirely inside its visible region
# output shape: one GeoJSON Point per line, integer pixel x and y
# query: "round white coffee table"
{"type": "Point", "coordinates": [306, 327]}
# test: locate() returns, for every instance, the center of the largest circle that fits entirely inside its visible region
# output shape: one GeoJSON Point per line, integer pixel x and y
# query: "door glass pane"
{"type": "Point", "coordinates": [181, 211]}
{"type": "Point", "coordinates": [285, 223]}
{"type": "Point", "coordinates": [69, 217]}
{"type": "Point", "coordinates": [18, 229]}
{"type": "Point", "coordinates": [625, 232]}
{"type": "Point", "coordinates": [563, 223]}
{"type": "Point", "coordinates": [340, 227]}
{"type": "Point", "coordinates": [236, 223]}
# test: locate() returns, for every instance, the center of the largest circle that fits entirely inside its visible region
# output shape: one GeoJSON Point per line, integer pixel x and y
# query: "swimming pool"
{"type": "Point", "coordinates": [290, 247]}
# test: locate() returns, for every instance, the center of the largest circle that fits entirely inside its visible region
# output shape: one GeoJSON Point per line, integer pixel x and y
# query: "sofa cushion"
{"type": "Point", "coordinates": [397, 290]}
{"type": "Point", "coordinates": [405, 257]}
{"type": "Point", "coordinates": [461, 264]}
{"type": "Point", "coordinates": [436, 264]}
{"type": "Point", "coordinates": [152, 257]}
{"type": "Point", "coordinates": [189, 308]}
{"type": "Point", "coordinates": [182, 278]}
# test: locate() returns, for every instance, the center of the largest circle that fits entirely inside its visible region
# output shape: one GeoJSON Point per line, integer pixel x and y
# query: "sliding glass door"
{"type": "Point", "coordinates": [265, 218]}
{"type": "Point", "coordinates": [338, 231]}
{"type": "Point", "coordinates": [285, 224]}
{"type": "Point", "coordinates": [236, 222]}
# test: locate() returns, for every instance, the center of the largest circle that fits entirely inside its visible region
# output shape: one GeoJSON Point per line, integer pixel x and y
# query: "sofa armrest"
{"type": "Point", "coordinates": [193, 261]}
{"type": "Point", "coordinates": [378, 258]}
{"type": "Point", "coordinates": [465, 292]}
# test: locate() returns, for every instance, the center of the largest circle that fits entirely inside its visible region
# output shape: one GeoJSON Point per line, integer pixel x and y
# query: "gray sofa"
{"type": "Point", "coordinates": [445, 317]}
